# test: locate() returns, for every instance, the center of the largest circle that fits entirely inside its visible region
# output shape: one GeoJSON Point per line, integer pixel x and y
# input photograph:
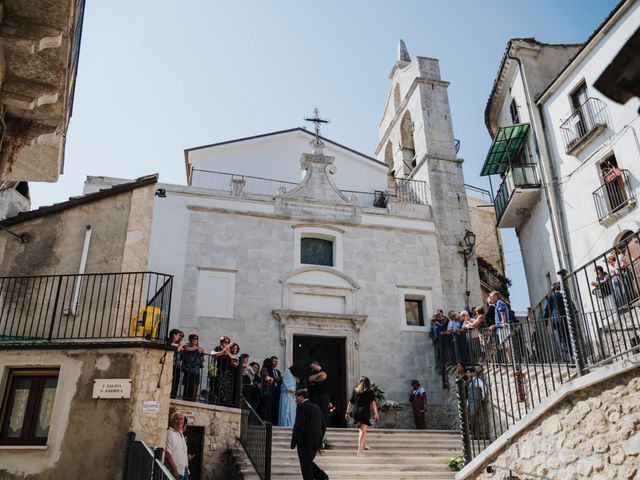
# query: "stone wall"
{"type": "Point", "coordinates": [594, 433]}
{"type": "Point", "coordinates": [120, 229]}
{"type": "Point", "coordinates": [221, 433]}
{"type": "Point", "coordinates": [89, 434]}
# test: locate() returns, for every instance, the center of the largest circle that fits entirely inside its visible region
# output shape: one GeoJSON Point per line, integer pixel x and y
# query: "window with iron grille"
{"type": "Point", "coordinates": [28, 406]}
{"type": "Point", "coordinates": [316, 251]}
{"type": "Point", "coordinates": [513, 109]}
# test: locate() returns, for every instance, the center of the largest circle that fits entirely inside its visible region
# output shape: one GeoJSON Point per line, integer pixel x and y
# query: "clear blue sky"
{"type": "Point", "coordinates": [156, 77]}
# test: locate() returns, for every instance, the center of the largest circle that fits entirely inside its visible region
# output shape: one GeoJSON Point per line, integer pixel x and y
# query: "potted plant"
{"type": "Point", "coordinates": [390, 410]}
{"type": "Point", "coordinates": [611, 174]}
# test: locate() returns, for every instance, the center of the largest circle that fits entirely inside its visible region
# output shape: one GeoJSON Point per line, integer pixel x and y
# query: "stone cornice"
{"type": "Point", "coordinates": [285, 315]}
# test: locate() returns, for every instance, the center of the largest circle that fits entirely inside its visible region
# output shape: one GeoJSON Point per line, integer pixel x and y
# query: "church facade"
{"type": "Point", "coordinates": [299, 247]}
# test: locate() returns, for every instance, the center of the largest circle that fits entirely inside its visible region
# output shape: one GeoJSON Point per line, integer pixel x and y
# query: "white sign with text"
{"type": "Point", "coordinates": [112, 388]}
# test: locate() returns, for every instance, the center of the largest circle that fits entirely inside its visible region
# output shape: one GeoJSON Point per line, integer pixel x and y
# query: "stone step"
{"type": "Point", "coordinates": [379, 447]}
{"type": "Point", "coordinates": [364, 474]}
{"type": "Point", "coordinates": [394, 455]}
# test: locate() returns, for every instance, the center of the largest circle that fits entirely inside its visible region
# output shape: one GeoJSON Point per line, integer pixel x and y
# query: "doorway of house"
{"type": "Point", "coordinates": [330, 353]}
{"type": "Point", "coordinates": [195, 445]}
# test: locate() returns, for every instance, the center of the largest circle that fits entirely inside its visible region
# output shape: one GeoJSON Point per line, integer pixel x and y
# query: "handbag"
{"type": "Point", "coordinates": [353, 409]}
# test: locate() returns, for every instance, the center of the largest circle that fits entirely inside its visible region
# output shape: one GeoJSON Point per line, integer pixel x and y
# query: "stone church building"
{"type": "Point", "coordinates": [296, 246]}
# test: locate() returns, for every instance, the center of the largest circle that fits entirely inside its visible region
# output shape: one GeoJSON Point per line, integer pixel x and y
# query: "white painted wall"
{"type": "Point", "coordinates": [278, 157]}
{"type": "Point", "coordinates": [579, 173]}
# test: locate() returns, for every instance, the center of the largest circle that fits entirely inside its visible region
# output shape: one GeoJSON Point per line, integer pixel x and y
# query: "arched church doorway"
{"type": "Point", "coordinates": [330, 352]}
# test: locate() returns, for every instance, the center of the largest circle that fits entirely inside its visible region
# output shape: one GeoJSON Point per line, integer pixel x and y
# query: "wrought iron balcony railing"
{"type": "Point", "coordinates": [95, 306]}
{"type": "Point", "coordinates": [406, 191]}
{"type": "Point", "coordinates": [518, 176]}
{"type": "Point", "coordinates": [583, 122]}
{"type": "Point", "coordinates": [614, 195]}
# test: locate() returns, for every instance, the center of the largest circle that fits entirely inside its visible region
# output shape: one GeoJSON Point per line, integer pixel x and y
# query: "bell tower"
{"type": "Point", "coordinates": [417, 143]}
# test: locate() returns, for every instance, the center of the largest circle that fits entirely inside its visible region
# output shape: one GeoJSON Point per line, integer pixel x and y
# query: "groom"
{"type": "Point", "coordinates": [307, 436]}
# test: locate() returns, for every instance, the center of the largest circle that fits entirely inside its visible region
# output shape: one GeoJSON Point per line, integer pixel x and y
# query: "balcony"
{"type": "Point", "coordinates": [516, 195]}
{"type": "Point", "coordinates": [615, 197]}
{"type": "Point", "coordinates": [583, 124]}
{"type": "Point", "coordinates": [405, 190]}
{"type": "Point", "coordinates": [87, 308]}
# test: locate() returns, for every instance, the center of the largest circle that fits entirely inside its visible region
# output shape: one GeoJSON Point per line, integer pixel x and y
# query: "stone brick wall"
{"type": "Point", "coordinates": [221, 433]}
{"type": "Point", "coordinates": [594, 434]}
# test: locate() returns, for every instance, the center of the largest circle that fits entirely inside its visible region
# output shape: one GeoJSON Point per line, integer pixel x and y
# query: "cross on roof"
{"type": "Point", "coordinates": [316, 120]}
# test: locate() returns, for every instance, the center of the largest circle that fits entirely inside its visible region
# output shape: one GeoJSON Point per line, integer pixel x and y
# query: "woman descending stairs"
{"type": "Point", "coordinates": [392, 455]}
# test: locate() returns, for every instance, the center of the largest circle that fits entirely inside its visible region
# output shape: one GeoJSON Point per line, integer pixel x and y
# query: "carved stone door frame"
{"type": "Point", "coordinates": [323, 325]}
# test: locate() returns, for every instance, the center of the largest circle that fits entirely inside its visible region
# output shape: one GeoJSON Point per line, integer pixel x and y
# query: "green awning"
{"type": "Point", "coordinates": [505, 148]}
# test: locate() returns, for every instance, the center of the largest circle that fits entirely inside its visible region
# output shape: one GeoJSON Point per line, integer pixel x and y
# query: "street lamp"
{"type": "Point", "coordinates": [469, 241]}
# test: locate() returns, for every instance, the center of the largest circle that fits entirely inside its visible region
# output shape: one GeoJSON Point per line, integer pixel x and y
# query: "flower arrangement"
{"type": "Point", "coordinates": [377, 393]}
{"type": "Point", "coordinates": [456, 464]}
{"type": "Point", "coordinates": [389, 405]}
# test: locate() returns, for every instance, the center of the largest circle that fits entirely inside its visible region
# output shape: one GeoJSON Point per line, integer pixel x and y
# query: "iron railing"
{"type": "Point", "coordinates": [585, 119]}
{"type": "Point", "coordinates": [143, 462]}
{"type": "Point", "coordinates": [256, 440]}
{"type": "Point", "coordinates": [405, 191]}
{"type": "Point", "coordinates": [203, 378]}
{"type": "Point", "coordinates": [590, 319]}
{"type": "Point", "coordinates": [518, 176]}
{"type": "Point", "coordinates": [613, 195]}
{"type": "Point", "coordinates": [477, 192]}
{"type": "Point", "coordinates": [92, 306]}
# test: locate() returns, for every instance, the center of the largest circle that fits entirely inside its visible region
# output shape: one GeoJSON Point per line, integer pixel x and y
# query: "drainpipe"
{"type": "Point", "coordinates": [83, 264]}
{"type": "Point", "coordinates": [552, 194]}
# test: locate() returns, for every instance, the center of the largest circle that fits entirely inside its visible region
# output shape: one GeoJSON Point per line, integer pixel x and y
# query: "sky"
{"type": "Point", "coordinates": [156, 77]}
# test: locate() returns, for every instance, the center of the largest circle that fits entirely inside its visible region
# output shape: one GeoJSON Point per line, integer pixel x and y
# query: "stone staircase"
{"type": "Point", "coordinates": [393, 455]}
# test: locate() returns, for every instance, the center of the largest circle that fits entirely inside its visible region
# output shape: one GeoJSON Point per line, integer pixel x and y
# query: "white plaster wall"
{"type": "Point", "coordinates": [278, 157]}
{"type": "Point", "coordinates": [579, 173]}
{"type": "Point", "coordinates": [538, 252]}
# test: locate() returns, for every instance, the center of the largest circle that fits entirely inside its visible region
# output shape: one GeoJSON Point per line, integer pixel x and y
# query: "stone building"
{"type": "Point", "coordinates": [345, 266]}
{"type": "Point", "coordinates": [71, 278]}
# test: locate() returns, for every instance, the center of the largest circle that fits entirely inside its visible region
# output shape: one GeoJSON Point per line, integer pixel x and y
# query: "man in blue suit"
{"type": "Point", "coordinates": [307, 436]}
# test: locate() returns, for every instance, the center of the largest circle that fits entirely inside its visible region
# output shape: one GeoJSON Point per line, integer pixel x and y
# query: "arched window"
{"type": "Point", "coordinates": [406, 144]}
{"type": "Point", "coordinates": [396, 97]}
{"type": "Point", "coordinates": [388, 160]}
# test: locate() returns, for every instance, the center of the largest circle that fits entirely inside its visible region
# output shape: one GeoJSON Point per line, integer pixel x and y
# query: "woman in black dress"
{"type": "Point", "coordinates": [362, 402]}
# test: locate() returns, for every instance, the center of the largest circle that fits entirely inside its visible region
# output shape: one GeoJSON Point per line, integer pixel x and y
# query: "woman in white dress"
{"type": "Point", "coordinates": [287, 414]}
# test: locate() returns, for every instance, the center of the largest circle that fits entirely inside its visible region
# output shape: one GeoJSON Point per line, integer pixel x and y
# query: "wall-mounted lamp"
{"type": "Point", "coordinates": [468, 244]}
{"type": "Point", "coordinates": [161, 192]}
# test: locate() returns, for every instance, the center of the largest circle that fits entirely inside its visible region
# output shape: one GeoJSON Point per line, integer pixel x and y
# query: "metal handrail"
{"type": "Point", "coordinates": [405, 191]}
{"type": "Point", "coordinates": [611, 196]}
{"type": "Point", "coordinates": [590, 321]}
{"type": "Point", "coordinates": [581, 121]}
{"type": "Point", "coordinates": [216, 381]}
{"type": "Point", "coordinates": [518, 176]}
{"type": "Point", "coordinates": [256, 440]}
{"type": "Point", "coordinates": [89, 306]}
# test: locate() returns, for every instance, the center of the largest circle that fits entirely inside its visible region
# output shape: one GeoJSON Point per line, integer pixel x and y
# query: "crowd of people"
{"type": "Point", "coordinates": [468, 337]}
{"type": "Point", "coordinates": [224, 373]}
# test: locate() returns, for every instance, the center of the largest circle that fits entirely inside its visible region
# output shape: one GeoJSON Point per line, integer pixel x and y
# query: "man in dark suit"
{"type": "Point", "coordinates": [307, 436]}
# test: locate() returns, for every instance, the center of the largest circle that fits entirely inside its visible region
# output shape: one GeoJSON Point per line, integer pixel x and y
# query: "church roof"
{"type": "Point", "coordinates": [270, 134]}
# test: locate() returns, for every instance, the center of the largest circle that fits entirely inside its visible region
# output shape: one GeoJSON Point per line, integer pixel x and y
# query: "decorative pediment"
{"type": "Point", "coordinates": [317, 196]}
{"type": "Point", "coordinates": [320, 276]}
